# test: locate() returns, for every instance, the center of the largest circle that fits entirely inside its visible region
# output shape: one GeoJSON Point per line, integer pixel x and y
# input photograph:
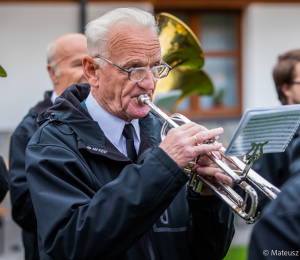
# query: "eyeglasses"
{"type": "Point", "coordinates": [138, 74]}
{"type": "Point", "coordinates": [295, 82]}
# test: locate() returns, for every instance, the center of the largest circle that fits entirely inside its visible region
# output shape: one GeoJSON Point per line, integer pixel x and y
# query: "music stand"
{"type": "Point", "coordinates": [263, 130]}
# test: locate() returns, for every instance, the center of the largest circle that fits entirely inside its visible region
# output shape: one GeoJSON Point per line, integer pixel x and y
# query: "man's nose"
{"type": "Point", "coordinates": [148, 82]}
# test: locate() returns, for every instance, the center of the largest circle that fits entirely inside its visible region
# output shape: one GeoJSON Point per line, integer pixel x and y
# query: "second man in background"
{"type": "Point", "coordinates": [64, 57]}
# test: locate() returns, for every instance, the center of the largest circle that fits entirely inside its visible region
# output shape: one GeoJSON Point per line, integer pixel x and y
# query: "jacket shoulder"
{"type": "Point", "coordinates": [54, 134]}
{"type": "Point", "coordinates": [28, 125]}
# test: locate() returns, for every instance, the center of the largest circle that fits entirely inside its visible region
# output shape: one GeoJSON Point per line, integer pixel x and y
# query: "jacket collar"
{"type": "Point", "coordinates": [69, 110]}
{"type": "Point", "coordinates": [43, 105]}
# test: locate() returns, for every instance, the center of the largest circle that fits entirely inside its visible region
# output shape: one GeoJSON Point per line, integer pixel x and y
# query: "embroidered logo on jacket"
{"type": "Point", "coordinates": [96, 149]}
{"type": "Point", "coordinates": [91, 149]}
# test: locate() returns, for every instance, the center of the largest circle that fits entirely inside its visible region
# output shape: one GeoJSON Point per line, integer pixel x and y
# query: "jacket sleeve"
{"type": "Point", "coordinates": [3, 179]}
{"type": "Point", "coordinates": [76, 221]}
{"type": "Point", "coordinates": [22, 208]}
{"type": "Point", "coordinates": [211, 226]}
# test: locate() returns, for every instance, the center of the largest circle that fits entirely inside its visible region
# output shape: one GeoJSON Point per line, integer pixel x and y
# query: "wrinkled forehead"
{"type": "Point", "coordinates": [134, 40]}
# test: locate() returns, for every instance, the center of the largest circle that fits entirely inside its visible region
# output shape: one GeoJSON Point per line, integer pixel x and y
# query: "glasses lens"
{"type": "Point", "coordinates": [138, 74]}
{"type": "Point", "coordinates": [160, 72]}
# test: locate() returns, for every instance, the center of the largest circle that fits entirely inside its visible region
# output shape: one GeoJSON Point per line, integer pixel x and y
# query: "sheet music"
{"type": "Point", "coordinates": [277, 125]}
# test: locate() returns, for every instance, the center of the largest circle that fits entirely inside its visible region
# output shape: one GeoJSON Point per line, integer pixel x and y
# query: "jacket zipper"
{"type": "Point", "coordinates": [150, 246]}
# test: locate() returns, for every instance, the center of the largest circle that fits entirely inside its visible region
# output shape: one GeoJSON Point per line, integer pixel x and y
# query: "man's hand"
{"type": "Point", "coordinates": [205, 166]}
{"type": "Point", "coordinates": [180, 143]}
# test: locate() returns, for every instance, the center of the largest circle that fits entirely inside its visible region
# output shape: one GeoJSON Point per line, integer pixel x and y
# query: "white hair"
{"type": "Point", "coordinates": [50, 52]}
{"type": "Point", "coordinates": [97, 31]}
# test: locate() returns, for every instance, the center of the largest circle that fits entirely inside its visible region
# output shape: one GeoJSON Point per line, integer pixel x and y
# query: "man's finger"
{"type": "Point", "coordinates": [192, 127]}
{"type": "Point", "coordinates": [204, 160]}
{"type": "Point", "coordinates": [195, 129]}
{"type": "Point", "coordinates": [209, 134]}
{"type": "Point", "coordinates": [223, 178]}
{"type": "Point", "coordinates": [206, 148]}
{"type": "Point", "coordinates": [211, 171]}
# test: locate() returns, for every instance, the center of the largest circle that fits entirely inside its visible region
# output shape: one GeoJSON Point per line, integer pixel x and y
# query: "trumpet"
{"type": "Point", "coordinates": [232, 166]}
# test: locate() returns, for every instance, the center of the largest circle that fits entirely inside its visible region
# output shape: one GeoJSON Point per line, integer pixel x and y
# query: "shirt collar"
{"type": "Point", "coordinates": [114, 129]}
{"type": "Point", "coordinates": [53, 96]}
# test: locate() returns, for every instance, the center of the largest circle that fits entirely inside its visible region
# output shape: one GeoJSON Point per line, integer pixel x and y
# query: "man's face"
{"type": "Point", "coordinates": [129, 47]}
{"type": "Point", "coordinates": [68, 58]}
{"type": "Point", "coordinates": [293, 93]}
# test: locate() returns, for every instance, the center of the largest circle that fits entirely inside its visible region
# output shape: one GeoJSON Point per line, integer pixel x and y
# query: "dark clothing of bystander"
{"type": "Point", "coordinates": [3, 179]}
{"type": "Point", "coordinates": [22, 208]}
{"type": "Point", "coordinates": [277, 233]}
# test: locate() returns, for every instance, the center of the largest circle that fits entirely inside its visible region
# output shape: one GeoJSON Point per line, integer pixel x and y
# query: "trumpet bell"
{"type": "Point", "coordinates": [182, 51]}
{"type": "Point", "coordinates": [179, 45]}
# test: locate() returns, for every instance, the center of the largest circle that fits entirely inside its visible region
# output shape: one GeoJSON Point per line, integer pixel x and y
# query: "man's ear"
{"type": "Point", "coordinates": [52, 74]}
{"type": "Point", "coordinates": [89, 70]}
{"type": "Point", "coordinates": [286, 90]}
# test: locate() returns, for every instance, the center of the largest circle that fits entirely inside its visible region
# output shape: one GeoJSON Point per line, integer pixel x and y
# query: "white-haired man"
{"type": "Point", "coordinates": [103, 184]}
{"type": "Point", "coordinates": [64, 57]}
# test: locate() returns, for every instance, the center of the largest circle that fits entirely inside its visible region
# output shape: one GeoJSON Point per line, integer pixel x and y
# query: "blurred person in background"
{"type": "Point", "coordinates": [3, 170]}
{"type": "Point", "coordinates": [3, 179]}
{"type": "Point", "coordinates": [277, 167]}
{"type": "Point", "coordinates": [64, 56]}
{"type": "Point", "coordinates": [279, 226]}
{"type": "Point", "coordinates": [103, 183]}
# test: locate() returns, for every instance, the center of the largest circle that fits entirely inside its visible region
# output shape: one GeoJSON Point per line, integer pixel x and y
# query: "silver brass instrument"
{"type": "Point", "coordinates": [182, 50]}
{"type": "Point", "coordinates": [233, 167]}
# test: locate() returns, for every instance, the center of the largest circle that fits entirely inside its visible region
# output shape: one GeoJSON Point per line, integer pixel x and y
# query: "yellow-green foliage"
{"type": "Point", "coordinates": [237, 253]}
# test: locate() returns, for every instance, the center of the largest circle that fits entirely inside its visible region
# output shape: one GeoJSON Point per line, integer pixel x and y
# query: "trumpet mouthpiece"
{"type": "Point", "coordinates": [143, 99]}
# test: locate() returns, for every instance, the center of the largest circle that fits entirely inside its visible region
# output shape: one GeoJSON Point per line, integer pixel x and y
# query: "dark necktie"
{"type": "Point", "coordinates": [128, 134]}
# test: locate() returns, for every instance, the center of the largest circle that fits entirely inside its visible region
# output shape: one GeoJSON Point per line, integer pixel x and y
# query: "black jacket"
{"type": "Point", "coordinates": [22, 208]}
{"type": "Point", "coordinates": [92, 202]}
{"type": "Point", "coordinates": [3, 179]}
{"type": "Point", "coordinates": [278, 230]}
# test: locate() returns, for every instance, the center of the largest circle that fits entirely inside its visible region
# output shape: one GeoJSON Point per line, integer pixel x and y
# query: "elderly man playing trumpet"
{"type": "Point", "coordinates": [103, 184]}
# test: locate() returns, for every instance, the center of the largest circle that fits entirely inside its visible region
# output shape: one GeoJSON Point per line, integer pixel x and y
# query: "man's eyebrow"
{"type": "Point", "coordinates": [130, 62]}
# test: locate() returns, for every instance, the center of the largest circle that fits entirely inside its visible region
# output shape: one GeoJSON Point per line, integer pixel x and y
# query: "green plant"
{"type": "Point", "coordinates": [218, 97]}
{"type": "Point", "coordinates": [2, 72]}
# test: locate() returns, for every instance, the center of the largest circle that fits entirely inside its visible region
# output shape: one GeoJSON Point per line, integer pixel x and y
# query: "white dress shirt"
{"type": "Point", "coordinates": [112, 126]}
{"type": "Point", "coordinates": [53, 96]}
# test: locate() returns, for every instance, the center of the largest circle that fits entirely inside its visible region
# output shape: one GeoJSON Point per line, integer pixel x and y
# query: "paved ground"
{"type": "Point", "coordinates": [13, 249]}
{"type": "Point", "coordinates": [10, 236]}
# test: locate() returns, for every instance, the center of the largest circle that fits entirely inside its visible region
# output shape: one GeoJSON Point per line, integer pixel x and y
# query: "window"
{"type": "Point", "coordinates": [219, 35]}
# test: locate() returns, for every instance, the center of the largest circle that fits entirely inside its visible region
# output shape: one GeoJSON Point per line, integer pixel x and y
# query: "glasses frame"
{"type": "Point", "coordinates": [130, 70]}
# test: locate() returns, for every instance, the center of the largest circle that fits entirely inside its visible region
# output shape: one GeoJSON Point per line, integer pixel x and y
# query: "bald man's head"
{"type": "Point", "coordinates": [65, 56]}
